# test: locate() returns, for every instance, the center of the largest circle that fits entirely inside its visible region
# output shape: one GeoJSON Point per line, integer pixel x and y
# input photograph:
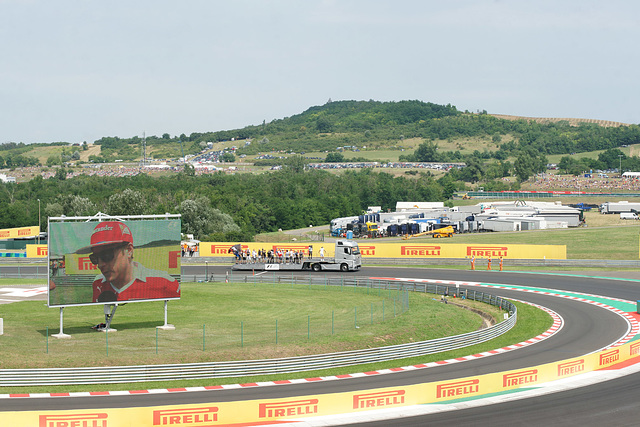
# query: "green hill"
{"type": "Point", "coordinates": [405, 130]}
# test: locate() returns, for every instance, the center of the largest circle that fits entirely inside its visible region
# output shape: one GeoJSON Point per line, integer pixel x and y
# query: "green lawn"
{"type": "Point", "coordinates": [531, 323]}
{"type": "Point", "coordinates": [229, 322]}
{"type": "Point", "coordinates": [582, 243]}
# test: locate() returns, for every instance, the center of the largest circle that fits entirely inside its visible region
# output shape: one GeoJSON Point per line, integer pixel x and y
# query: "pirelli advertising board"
{"type": "Point", "coordinates": [283, 410]}
{"type": "Point", "coordinates": [14, 233]}
{"type": "Point", "coordinates": [407, 250]}
{"type": "Point", "coordinates": [97, 262]}
{"type": "Point", "coordinates": [37, 251]}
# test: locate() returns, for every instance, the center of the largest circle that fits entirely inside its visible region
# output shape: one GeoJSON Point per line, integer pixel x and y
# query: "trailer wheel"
{"type": "Point", "coordinates": [344, 267]}
{"type": "Point", "coordinates": [316, 267]}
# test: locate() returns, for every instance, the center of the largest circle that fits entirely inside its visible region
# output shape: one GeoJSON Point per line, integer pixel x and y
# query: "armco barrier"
{"type": "Point", "coordinates": [291, 409]}
{"type": "Point", "coordinates": [127, 374]}
{"type": "Point", "coordinates": [508, 262]}
{"type": "Point", "coordinates": [11, 267]}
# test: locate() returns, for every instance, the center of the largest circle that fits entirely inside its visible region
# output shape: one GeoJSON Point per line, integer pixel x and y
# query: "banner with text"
{"type": "Point", "coordinates": [14, 233]}
{"type": "Point", "coordinates": [405, 250]}
{"type": "Point", "coordinates": [37, 251]}
{"type": "Point", "coordinates": [290, 409]}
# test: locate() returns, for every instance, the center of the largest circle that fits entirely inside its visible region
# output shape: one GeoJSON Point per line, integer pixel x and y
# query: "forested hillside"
{"type": "Point", "coordinates": [218, 206]}
{"type": "Point", "coordinates": [238, 206]}
{"type": "Point", "coordinates": [373, 124]}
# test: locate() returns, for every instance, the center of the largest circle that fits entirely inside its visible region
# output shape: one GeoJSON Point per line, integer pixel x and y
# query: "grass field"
{"type": "Point", "coordinates": [222, 308]}
{"type": "Point", "coordinates": [230, 322]}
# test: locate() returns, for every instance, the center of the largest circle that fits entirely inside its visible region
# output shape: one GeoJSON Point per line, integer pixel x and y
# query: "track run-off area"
{"type": "Point", "coordinates": [559, 378]}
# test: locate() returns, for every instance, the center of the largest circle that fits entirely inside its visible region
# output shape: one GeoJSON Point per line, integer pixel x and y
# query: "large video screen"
{"type": "Point", "coordinates": [110, 261]}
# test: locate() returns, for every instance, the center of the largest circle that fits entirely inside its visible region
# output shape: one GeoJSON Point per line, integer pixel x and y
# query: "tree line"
{"type": "Point", "coordinates": [218, 207]}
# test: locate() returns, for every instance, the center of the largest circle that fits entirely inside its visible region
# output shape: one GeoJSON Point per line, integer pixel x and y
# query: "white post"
{"type": "Point", "coordinates": [1, 326]}
{"type": "Point", "coordinates": [166, 326]}
{"type": "Point", "coordinates": [61, 334]}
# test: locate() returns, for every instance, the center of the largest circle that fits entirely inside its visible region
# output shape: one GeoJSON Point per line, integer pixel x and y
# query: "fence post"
{"type": "Point", "coordinates": [332, 322]}
{"type": "Point", "coordinates": [355, 317]}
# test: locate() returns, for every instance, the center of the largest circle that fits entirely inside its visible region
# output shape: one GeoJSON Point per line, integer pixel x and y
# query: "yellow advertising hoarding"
{"type": "Point", "coordinates": [372, 249]}
{"type": "Point", "coordinates": [14, 233]}
{"type": "Point", "coordinates": [37, 251]}
{"type": "Point", "coordinates": [265, 411]}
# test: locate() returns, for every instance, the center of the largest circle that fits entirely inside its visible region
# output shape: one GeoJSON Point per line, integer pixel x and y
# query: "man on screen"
{"type": "Point", "coordinates": [122, 278]}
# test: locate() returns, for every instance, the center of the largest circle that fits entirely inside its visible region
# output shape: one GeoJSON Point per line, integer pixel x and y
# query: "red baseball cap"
{"type": "Point", "coordinates": [108, 233]}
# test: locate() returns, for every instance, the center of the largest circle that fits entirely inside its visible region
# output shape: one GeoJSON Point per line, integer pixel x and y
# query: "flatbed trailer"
{"type": "Point", "coordinates": [307, 265]}
{"type": "Point", "coordinates": [347, 258]}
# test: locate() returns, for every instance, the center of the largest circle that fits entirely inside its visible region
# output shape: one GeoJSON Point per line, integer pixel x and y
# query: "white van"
{"type": "Point", "coordinates": [628, 215]}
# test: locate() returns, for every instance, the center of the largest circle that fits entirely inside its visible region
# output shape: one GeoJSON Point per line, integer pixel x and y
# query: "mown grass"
{"type": "Point", "coordinates": [531, 322]}
{"type": "Point", "coordinates": [582, 243]}
{"type": "Point", "coordinates": [229, 322]}
{"type": "Point", "coordinates": [223, 307]}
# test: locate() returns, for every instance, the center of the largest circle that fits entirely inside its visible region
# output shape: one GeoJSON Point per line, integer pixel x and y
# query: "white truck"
{"type": "Point", "coordinates": [347, 258]}
{"type": "Point", "coordinates": [619, 207]}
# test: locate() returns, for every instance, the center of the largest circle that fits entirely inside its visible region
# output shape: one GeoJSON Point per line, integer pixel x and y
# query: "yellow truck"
{"type": "Point", "coordinates": [437, 233]}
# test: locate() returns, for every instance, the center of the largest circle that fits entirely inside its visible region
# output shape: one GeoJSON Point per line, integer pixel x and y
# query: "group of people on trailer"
{"type": "Point", "coordinates": [271, 256]}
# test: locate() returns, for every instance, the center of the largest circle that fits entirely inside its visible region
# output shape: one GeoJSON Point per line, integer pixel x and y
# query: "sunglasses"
{"type": "Point", "coordinates": [106, 256]}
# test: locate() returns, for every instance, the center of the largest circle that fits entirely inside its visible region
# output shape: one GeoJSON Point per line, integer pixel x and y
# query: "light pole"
{"type": "Point", "coordinates": [620, 170]}
{"type": "Point", "coordinates": [38, 221]}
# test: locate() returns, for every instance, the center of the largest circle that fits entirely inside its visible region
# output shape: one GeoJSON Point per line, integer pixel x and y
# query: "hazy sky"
{"type": "Point", "coordinates": [79, 70]}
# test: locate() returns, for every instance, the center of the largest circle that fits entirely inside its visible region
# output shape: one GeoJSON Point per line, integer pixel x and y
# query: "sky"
{"type": "Point", "coordinates": [76, 71]}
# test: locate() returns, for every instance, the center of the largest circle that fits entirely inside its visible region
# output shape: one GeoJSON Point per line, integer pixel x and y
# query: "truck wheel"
{"type": "Point", "coordinates": [344, 267]}
{"type": "Point", "coordinates": [316, 267]}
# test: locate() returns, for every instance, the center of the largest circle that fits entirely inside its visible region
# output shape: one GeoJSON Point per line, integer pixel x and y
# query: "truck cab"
{"type": "Point", "coordinates": [347, 255]}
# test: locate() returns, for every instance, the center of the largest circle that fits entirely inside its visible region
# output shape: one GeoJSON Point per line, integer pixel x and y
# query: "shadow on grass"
{"type": "Point", "coordinates": [87, 329]}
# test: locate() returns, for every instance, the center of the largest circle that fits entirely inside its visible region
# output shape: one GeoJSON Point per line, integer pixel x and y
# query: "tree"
{"type": "Point", "coordinates": [296, 163]}
{"type": "Point", "coordinates": [53, 160]}
{"type": "Point", "coordinates": [427, 152]}
{"type": "Point", "coordinates": [201, 220]}
{"type": "Point", "coordinates": [473, 171]}
{"type": "Point", "coordinates": [324, 125]}
{"type": "Point", "coordinates": [53, 210]}
{"type": "Point", "coordinates": [189, 169]}
{"type": "Point", "coordinates": [529, 162]}
{"type": "Point", "coordinates": [612, 158]}
{"type": "Point", "coordinates": [228, 157]}
{"type": "Point", "coordinates": [127, 202]}
{"type": "Point", "coordinates": [61, 174]}
{"type": "Point", "coordinates": [334, 157]}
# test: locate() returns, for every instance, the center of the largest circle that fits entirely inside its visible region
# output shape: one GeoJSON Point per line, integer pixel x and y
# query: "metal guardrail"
{"type": "Point", "coordinates": [601, 263]}
{"type": "Point", "coordinates": [13, 268]}
{"type": "Point", "coordinates": [144, 373]}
